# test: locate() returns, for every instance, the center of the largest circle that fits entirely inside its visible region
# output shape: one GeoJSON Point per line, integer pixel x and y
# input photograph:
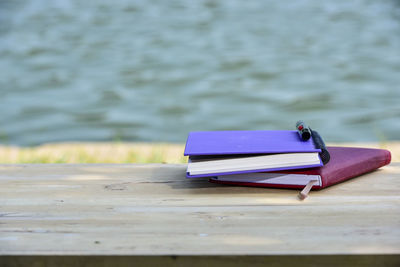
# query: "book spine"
{"type": "Point", "coordinates": [363, 165]}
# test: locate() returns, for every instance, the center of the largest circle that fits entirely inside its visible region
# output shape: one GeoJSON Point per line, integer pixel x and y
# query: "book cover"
{"type": "Point", "coordinates": [246, 142]}
{"type": "Point", "coordinates": [345, 163]}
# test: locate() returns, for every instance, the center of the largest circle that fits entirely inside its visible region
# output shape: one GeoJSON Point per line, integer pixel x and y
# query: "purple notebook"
{"type": "Point", "coordinates": [216, 143]}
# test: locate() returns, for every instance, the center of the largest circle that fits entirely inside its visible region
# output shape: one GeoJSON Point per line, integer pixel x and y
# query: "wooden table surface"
{"type": "Point", "coordinates": [153, 209]}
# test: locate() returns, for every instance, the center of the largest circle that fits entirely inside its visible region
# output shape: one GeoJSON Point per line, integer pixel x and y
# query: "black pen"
{"type": "Point", "coordinates": [306, 132]}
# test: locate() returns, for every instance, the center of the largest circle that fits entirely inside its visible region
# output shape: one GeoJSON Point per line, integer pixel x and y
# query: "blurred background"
{"type": "Point", "coordinates": [151, 71]}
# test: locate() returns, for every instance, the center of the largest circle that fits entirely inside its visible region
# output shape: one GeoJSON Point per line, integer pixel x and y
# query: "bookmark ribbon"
{"type": "Point", "coordinates": [304, 193]}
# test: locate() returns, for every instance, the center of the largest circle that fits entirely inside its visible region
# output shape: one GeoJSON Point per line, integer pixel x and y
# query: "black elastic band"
{"type": "Point", "coordinates": [319, 143]}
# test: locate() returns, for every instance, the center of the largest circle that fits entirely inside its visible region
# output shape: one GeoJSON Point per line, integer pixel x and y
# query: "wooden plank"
{"type": "Point", "coordinates": [198, 261]}
{"type": "Point", "coordinates": [153, 209]}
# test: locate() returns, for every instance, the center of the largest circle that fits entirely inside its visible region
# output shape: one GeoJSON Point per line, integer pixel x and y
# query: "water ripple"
{"type": "Point", "coordinates": [153, 71]}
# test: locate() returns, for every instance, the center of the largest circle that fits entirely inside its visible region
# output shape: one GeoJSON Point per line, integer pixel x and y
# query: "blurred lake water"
{"type": "Point", "coordinates": [155, 70]}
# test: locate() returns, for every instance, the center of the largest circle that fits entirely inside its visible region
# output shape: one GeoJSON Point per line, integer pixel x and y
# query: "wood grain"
{"type": "Point", "coordinates": [99, 209]}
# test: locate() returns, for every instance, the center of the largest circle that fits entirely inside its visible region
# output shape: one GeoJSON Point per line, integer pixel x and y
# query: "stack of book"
{"type": "Point", "coordinates": [274, 159]}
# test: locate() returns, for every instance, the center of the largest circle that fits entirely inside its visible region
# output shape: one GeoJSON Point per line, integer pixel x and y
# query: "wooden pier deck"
{"type": "Point", "coordinates": [151, 214]}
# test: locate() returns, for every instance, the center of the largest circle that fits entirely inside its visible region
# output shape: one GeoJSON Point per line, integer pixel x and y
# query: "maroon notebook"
{"type": "Point", "coordinates": [345, 163]}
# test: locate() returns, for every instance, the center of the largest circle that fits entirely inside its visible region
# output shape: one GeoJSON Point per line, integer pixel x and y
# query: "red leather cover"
{"type": "Point", "coordinates": [345, 163]}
